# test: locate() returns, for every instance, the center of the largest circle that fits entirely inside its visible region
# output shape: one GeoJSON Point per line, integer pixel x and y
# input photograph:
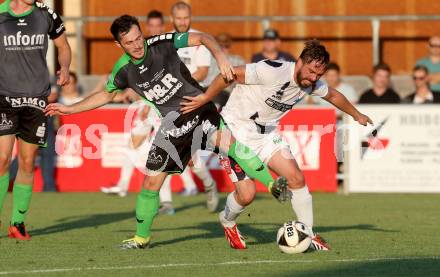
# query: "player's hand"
{"type": "Point", "coordinates": [57, 109]}
{"type": "Point", "coordinates": [363, 119]}
{"type": "Point", "coordinates": [193, 102]}
{"type": "Point", "coordinates": [63, 76]}
{"type": "Point", "coordinates": [226, 69]}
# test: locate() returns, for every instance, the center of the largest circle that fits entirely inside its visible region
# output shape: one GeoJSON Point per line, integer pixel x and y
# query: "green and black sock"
{"type": "Point", "coordinates": [250, 163]}
{"type": "Point", "coordinates": [22, 195]}
{"type": "Point", "coordinates": [147, 206]}
{"type": "Point", "coordinates": [4, 185]}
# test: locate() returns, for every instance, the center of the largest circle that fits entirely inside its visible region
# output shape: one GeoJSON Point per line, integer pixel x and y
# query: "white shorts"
{"type": "Point", "coordinates": [145, 127]}
{"type": "Point", "coordinates": [141, 128]}
{"type": "Point", "coordinates": [264, 145]}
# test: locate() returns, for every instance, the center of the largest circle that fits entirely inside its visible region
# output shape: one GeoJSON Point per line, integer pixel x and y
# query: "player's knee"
{"type": "Point", "coordinates": [152, 183]}
{"type": "Point", "coordinates": [246, 198]}
{"type": "Point", "coordinates": [151, 186]}
{"type": "Point", "coordinates": [5, 160]}
{"type": "Point", "coordinates": [26, 164]}
{"type": "Point", "coordinates": [296, 180]}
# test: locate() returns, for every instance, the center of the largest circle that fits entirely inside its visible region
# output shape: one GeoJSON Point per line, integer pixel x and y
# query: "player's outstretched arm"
{"type": "Point", "coordinates": [64, 59]}
{"type": "Point", "coordinates": [93, 101]}
{"type": "Point", "coordinates": [338, 100]}
{"type": "Point", "coordinates": [193, 102]}
{"type": "Point", "coordinates": [225, 67]}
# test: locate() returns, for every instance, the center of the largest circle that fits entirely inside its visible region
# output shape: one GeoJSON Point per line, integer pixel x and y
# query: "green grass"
{"type": "Point", "coordinates": [371, 235]}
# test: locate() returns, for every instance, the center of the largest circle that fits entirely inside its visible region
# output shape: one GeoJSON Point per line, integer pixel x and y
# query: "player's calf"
{"type": "Point", "coordinates": [295, 180]}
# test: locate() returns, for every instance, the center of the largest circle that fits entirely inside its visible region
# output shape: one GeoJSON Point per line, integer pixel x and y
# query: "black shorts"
{"type": "Point", "coordinates": [180, 136]}
{"type": "Point", "coordinates": [25, 118]}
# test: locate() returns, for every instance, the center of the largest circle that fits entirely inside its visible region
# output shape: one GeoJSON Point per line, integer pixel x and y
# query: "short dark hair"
{"type": "Point", "coordinates": [333, 66]}
{"type": "Point", "coordinates": [155, 14]}
{"type": "Point", "coordinates": [314, 51]}
{"type": "Point", "coordinates": [179, 6]}
{"type": "Point", "coordinates": [381, 66]}
{"type": "Point", "coordinates": [122, 25]}
{"type": "Point", "coordinates": [73, 75]}
{"type": "Point", "coordinates": [421, 67]}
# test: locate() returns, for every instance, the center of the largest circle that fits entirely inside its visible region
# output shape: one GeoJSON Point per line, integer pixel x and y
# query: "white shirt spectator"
{"type": "Point", "coordinates": [69, 100]}
{"type": "Point", "coordinates": [195, 56]}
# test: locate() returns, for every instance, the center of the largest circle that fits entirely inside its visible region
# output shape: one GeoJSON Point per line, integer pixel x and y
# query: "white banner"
{"type": "Point", "coordinates": [400, 153]}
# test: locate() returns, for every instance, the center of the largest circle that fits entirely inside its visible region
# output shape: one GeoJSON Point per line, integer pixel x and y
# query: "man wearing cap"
{"type": "Point", "coordinates": [271, 46]}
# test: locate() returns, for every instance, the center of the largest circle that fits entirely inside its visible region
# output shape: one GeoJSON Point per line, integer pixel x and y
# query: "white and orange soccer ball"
{"type": "Point", "coordinates": [294, 237]}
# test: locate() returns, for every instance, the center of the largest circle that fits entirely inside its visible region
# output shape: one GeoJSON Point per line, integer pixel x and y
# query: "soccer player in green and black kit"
{"type": "Point", "coordinates": [24, 86]}
{"type": "Point", "coordinates": [153, 69]}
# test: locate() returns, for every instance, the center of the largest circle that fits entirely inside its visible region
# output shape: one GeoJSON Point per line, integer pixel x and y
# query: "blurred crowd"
{"type": "Point", "coordinates": [425, 77]}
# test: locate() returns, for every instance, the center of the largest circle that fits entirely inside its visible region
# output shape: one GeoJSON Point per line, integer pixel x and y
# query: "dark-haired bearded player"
{"type": "Point", "coordinates": [153, 70]}
{"type": "Point", "coordinates": [266, 91]}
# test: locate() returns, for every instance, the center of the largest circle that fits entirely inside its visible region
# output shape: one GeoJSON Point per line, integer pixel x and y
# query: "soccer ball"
{"type": "Point", "coordinates": [294, 237]}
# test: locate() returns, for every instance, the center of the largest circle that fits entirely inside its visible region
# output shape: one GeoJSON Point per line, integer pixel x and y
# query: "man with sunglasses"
{"type": "Point", "coordinates": [423, 94]}
{"type": "Point", "coordinates": [432, 62]}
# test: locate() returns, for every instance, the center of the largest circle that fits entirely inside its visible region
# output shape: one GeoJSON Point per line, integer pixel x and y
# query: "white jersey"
{"type": "Point", "coordinates": [195, 56]}
{"type": "Point", "coordinates": [269, 92]}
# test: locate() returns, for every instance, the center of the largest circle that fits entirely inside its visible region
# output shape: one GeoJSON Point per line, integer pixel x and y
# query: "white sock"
{"type": "Point", "coordinates": [302, 205]}
{"type": "Point", "coordinates": [188, 181]}
{"type": "Point", "coordinates": [127, 170]}
{"type": "Point", "coordinates": [232, 210]}
{"type": "Point", "coordinates": [203, 173]}
{"type": "Point", "coordinates": [165, 191]}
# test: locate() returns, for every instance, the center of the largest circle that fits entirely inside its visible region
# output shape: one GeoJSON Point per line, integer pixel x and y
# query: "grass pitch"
{"type": "Point", "coordinates": [77, 234]}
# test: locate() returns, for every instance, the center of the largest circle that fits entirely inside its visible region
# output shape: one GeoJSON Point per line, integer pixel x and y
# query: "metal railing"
{"type": "Point", "coordinates": [265, 22]}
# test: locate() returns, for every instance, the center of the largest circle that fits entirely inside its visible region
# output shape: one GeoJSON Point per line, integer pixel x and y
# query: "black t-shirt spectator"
{"type": "Point", "coordinates": [389, 97]}
{"type": "Point", "coordinates": [283, 56]}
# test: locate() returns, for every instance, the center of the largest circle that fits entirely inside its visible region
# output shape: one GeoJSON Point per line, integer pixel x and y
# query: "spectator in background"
{"type": "Point", "coordinates": [333, 79]}
{"type": "Point", "coordinates": [381, 92]}
{"type": "Point", "coordinates": [225, 42]}
{"type": "Point", "coordinates": [47, 155]}
{"type": "Point", "coordinates": [432, 62]}
{"type": "Point", "coordinates": [197, 58]}
{"type": "Point", "coordinates": [70, 93]}
{"type": "Point", "coordinates": [271, 48]}
{"type": "Point", "coordinates": [423, 94]}
{"type": "Point", "coordinates": [155, 23]}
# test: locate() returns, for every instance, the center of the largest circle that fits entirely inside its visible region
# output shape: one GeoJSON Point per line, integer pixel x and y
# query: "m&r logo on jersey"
{"type": "Point", "coordinates": [160, 94]}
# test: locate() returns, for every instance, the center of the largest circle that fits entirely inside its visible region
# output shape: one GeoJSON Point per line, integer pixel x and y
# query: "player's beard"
{"type": "Point", "coordinates": [300, 78]}
{"type": "Point", "coordinates": [181, 31]}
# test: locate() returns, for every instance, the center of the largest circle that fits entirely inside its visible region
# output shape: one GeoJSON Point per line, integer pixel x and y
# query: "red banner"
{"type": "Point", "coordinates": [92, 144]}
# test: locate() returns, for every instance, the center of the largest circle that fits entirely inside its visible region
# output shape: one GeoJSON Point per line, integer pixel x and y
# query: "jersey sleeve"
{"type": "Point", "coordinates": [171, 40]}
{"type": "Point", "coordinates": [264, 73]}
{"type": "Point", "coordinates": [118, 79]}
{"type": "Point", "coordinates": [320, 89]}
{"type": "Point", "coordinates": [56, 24]}
{"type": "Point", "coordinates": [180, 40]}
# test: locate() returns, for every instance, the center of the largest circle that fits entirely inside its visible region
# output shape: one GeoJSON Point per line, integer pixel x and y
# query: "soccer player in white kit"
{"type": "Point", "coordinates": [266, 91]}
{"type": "Point", "coordinates": [197, 59]}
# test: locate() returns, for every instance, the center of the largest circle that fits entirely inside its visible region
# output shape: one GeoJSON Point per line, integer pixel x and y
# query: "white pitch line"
{"type": "Point", "coordinates": [53, 270]}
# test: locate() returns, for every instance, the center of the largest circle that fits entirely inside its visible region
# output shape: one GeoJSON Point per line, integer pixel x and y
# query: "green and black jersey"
{"type": "Point", "coordinates": [23, 48]}
{"type": "Point", "coordinates": [160, 76]}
